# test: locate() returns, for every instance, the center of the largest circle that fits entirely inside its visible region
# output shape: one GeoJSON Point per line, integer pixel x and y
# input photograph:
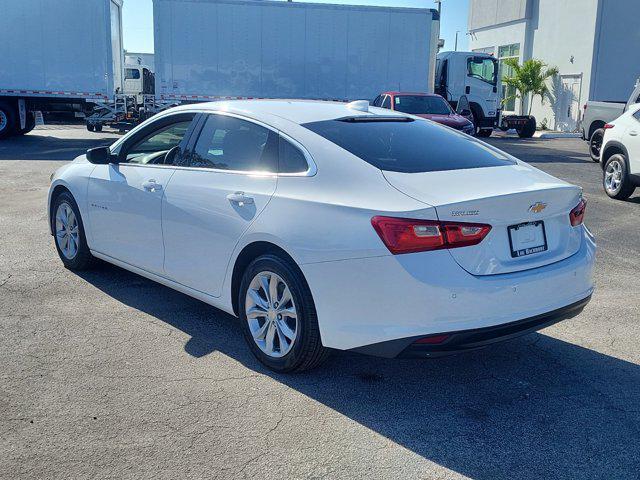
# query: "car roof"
{"type": "Point", "coordinates": [296, 111]}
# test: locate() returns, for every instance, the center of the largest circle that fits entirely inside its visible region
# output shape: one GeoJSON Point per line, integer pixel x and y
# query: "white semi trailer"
{"type": "Point", "coordinates": [212, 49]}
{"type": "Point", "coordinates": [57, 56]}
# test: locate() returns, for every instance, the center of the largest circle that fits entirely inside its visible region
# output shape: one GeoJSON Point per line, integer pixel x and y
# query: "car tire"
{"type": "Point", "coordinates": [615, 179]}
{"type": "Point", "coordinates": [476, 128]}
{"type": "Point", "coordinates": [277, 339]}
{"type": "Point", "coordinates": [7, 120]}
{"type": "Point", "coordinates": [98, 127]}
{"type": "Point", "coordinates": [528, 129]}
{"type": "Point", "coordinates": [484, 133]}
{"type": "Point", "coordinates": [72, 247]}
{"type": "Point", "coordinates": [595, 144]}
{"type": "Point", "coordinates": [91, 127]}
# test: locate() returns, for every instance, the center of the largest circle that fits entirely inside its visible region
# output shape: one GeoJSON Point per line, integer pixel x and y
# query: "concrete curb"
{"type": "Point", "coordinates": [556, 135]}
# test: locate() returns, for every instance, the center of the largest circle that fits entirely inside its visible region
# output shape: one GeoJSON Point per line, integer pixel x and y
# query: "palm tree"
{"type": "Point", "coordinates": [529, 78]}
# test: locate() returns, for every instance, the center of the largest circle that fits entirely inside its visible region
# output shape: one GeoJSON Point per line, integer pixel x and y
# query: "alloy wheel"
{"type": "Point", "coordinates": [67, 235]}
{"type": "Point", "coordinates": [613, 176]}
{"type": "Point", "coordinates": [271, 314]}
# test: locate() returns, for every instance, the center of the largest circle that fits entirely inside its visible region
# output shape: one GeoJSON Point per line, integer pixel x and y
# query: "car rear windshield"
{"type": "Point", "coordinates": [409, 146]}
{"type": "Point", "coordinates": [421, 105]}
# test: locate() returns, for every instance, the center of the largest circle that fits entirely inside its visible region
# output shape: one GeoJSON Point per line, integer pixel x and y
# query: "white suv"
{"type": "Point", "coordinates": [620, 155]}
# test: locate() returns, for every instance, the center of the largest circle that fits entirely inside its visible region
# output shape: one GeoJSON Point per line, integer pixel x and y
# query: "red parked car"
{"type": "Point", "coordinates": [425, 105]}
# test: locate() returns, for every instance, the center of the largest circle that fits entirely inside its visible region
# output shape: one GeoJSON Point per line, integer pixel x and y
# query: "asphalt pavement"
{"type": "Point", "coordinates": [105, 374]}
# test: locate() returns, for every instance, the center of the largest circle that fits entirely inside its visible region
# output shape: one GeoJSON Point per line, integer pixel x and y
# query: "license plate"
{"type": "Point", "coordinates": [527, 239]}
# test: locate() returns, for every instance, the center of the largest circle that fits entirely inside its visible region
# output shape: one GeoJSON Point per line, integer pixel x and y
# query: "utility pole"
{"type": "Point", "coordinates": [439, 2]}
{"type": "Point", "coordinates": [456, 47]}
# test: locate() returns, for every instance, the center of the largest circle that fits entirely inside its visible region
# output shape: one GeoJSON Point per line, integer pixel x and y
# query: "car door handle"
{"type": "Point", "coordinates": [633, 133]}
{"type": "Point", "coordinates": [151, 186]}
{"type": "Point", "coordinates": [240, 198]}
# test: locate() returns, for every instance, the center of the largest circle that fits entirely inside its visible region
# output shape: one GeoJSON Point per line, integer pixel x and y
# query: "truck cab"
{"type": "Point", "coordinates": [138, 81]}
{"type": "Point", "coordinates": [474, 78]}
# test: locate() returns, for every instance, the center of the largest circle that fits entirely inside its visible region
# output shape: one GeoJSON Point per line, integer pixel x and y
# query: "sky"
{"type": "Point", "coordinates": [137, 20]}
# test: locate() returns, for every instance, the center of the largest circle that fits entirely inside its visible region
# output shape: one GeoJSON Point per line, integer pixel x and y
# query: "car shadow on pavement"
{"type": "Point", "coordinates": [538, 150]}
{"type": "Point", "coordinates": [41, 147]}
{"type": "Point", "coordinates": [535, 407]}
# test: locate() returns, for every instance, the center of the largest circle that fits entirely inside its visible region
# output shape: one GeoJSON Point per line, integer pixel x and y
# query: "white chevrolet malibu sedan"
{"type": "Point", "coordinates": [331, 226]}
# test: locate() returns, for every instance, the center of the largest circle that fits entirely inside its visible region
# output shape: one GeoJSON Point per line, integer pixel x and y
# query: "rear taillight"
{"type": "Point", "coordinates": [577, 214]}
{"type": "Point", "coordinates": [609, 126]}
{"type": "Point", "coordinates": [404, 235]}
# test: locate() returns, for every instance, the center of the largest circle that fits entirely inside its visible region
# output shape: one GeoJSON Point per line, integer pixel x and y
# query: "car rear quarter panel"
{"type": "Point", "coordinates": [327, 217]}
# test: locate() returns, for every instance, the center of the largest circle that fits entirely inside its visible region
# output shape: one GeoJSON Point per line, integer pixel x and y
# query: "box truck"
{"type": "Point", "coordinates": [59, 56]}
{"type": "Point", "coordinates": [214, 49]}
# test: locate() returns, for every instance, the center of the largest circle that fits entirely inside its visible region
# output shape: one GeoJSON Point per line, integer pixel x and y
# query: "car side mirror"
{"type": "Point", "coordinates": [100, 156]}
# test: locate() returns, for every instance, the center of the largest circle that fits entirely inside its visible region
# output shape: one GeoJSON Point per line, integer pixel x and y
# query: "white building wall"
{"type": "Point", "coordinates": [562, 34]}
{"type": "Point", "coordinates": [487, 13]}
{"type": "Point", "coordinates": [497, 36]}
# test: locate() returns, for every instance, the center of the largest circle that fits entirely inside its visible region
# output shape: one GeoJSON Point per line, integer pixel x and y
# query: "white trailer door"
{"type": "Point", "coordinates": [116, 45]}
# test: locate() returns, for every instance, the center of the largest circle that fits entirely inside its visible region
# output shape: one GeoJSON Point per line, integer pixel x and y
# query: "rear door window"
{"type": "Point", "coordinates": [407, 145]}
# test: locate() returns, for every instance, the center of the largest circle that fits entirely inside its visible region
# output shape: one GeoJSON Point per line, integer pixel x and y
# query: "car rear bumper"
{"type": "Point", "coordinates": [368, 301]}
{"type": "Point", "coordinates": [463, 341]}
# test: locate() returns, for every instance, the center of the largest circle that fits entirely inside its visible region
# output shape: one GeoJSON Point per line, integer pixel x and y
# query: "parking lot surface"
{"type": "Point", "coordinates": [108, 375]}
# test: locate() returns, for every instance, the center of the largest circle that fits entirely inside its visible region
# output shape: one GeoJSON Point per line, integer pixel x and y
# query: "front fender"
{"type": "Point", "coordinates": [73, 177]}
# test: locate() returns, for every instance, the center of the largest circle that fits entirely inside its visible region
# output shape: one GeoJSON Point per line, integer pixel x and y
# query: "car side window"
{"type": "Point", "coordinates": [154, 147]}
{"type": "Point", "coordinates": [229, 143]}
{"type": "Point", "coordinates": [290, 158]}
{"type": "Point", "coordinates": [387, 102]}
{"type": "Point", "coordinates": [378, 101]}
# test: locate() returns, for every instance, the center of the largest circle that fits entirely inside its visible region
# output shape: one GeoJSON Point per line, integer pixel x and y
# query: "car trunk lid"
{"type": "Point", "coordinates": [527, 209]}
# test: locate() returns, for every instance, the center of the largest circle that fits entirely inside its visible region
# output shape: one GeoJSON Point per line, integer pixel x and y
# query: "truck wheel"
{"type": "Point", "coordinates": [30, 125]}
{"type": "Point", "coordinates": [595, 144]}
{"type": "Point", "coordinates": [7, 120]}
{"type": "Point", "coordinates": [528, 129]}
{"type": "Point", "coordinates": [484, 133]}
{"type": "Point", "coordinates": [474, 120]}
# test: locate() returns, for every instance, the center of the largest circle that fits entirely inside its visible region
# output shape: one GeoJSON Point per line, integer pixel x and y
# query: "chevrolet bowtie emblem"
{"type": "Point", "coordinates": [537, 207]}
